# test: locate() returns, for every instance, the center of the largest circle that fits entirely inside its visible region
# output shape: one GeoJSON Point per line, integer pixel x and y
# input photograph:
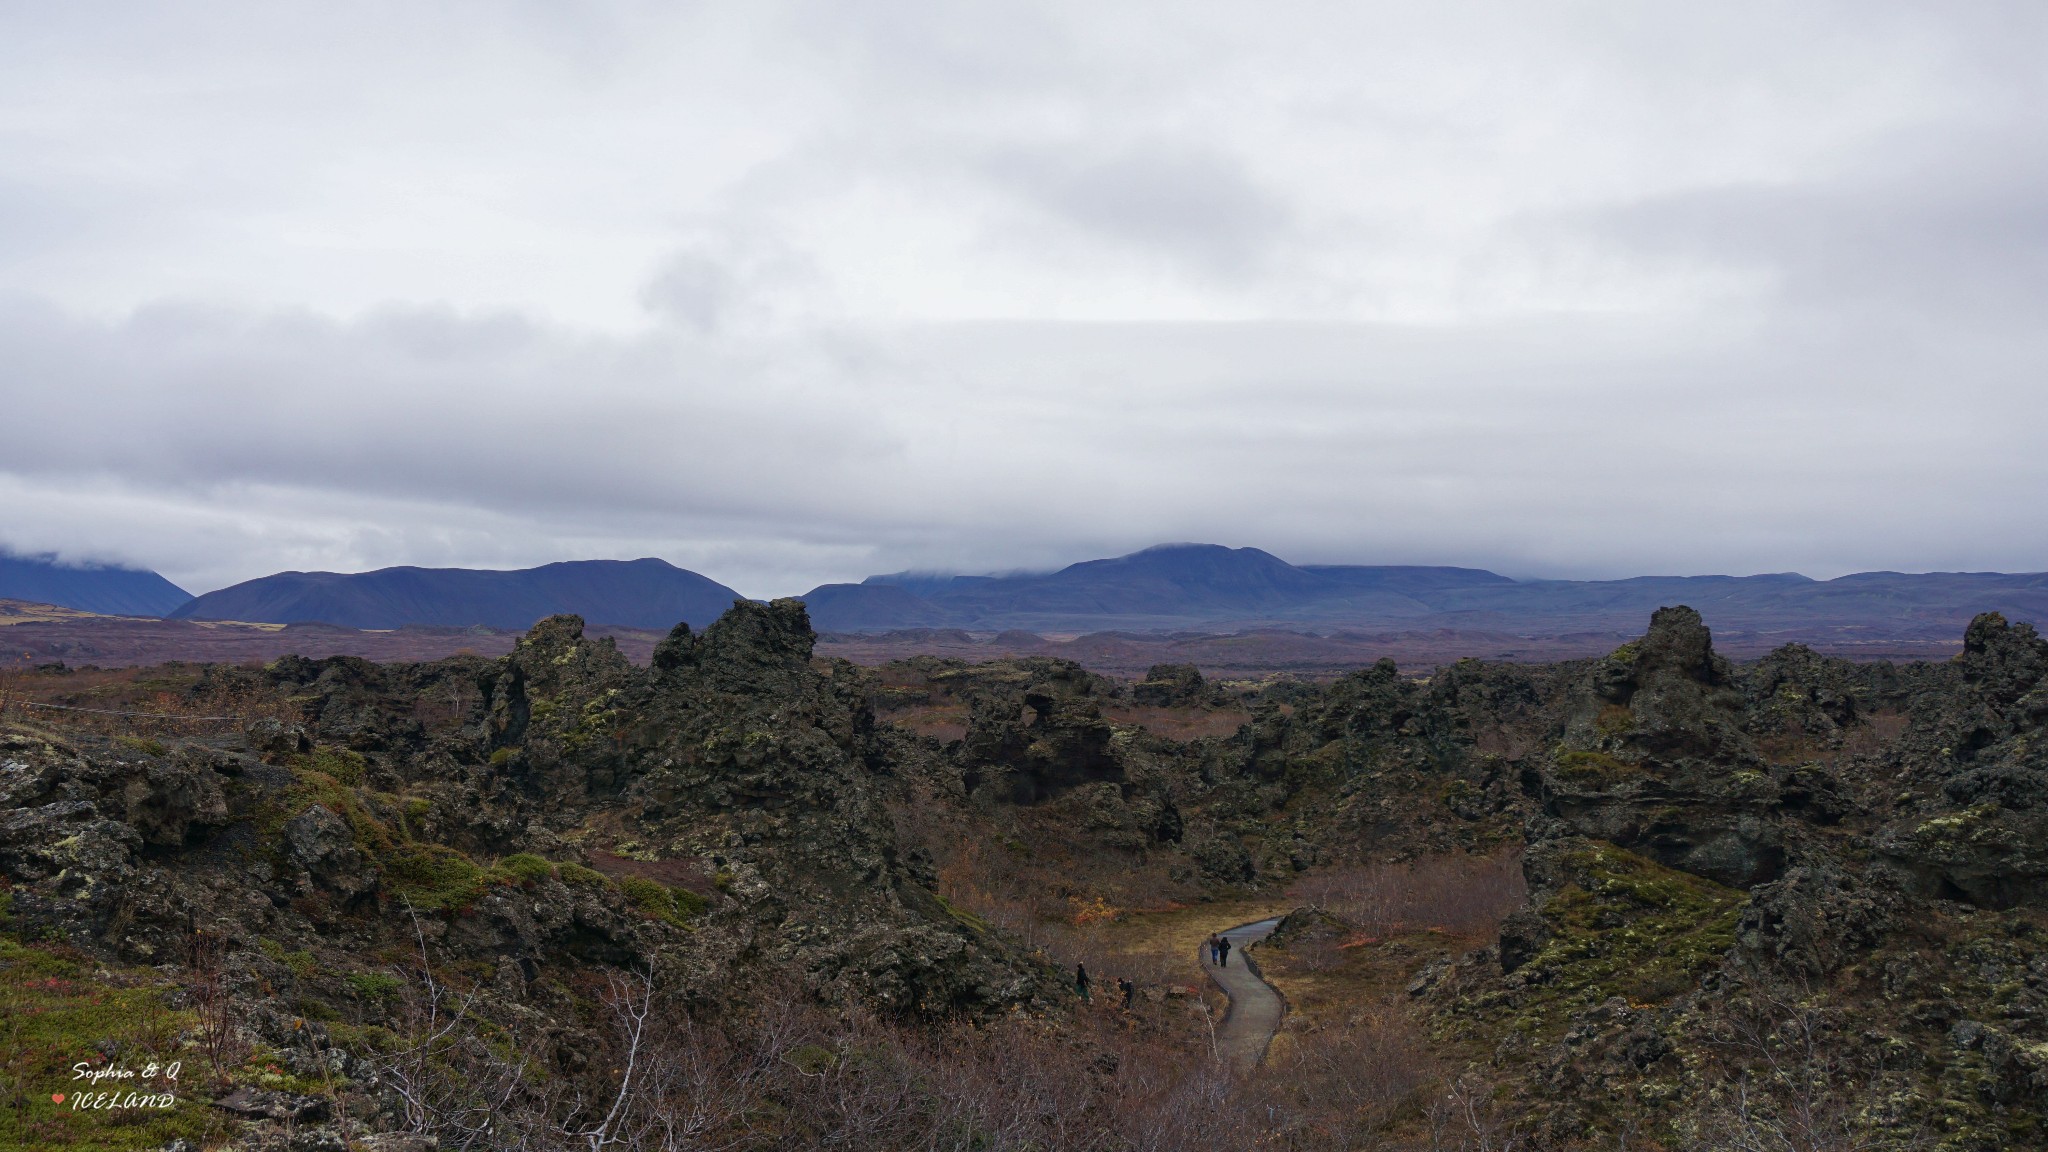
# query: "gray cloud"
{"type": "Point", "coordinates": [1186, 203]}
{"type": "Point", "coordinates": [800, 292]}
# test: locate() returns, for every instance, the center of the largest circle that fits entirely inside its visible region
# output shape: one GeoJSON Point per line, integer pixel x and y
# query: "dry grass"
{"type": "Point", "coordinates": [1070, 925]}
{"type": "Point", "coordinates": [25, 612]}
{"type": "Point", "coordinates": [169, 700]}
{"type": "Point", "coordinates": [1875, 733]}
{"type": "Point", "coordinates": [1350, 1080]}
{"type": "Point", "coordinates": [1170, 939]}
{"type": "Point", "coordinates": [944, 723]}
{"type": "Point", "coordinates": [1460, 894]}
{"type": "Point", "coordinates": [786, 1073]}
{"type": "Point", "coordinates": [1404, 917]}
{"type": "Point", "coordinates": [1181, 724]}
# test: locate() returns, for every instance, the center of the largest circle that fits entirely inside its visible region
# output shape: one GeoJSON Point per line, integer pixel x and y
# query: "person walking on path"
{"type": "Point", "coordinates": [1215, 949]}
{"type": "Point", "coordinates": [1223, 951]}
{"type": "Point", "coordinates": [1255, 1008]}
{"type": "Point", "coordinates": [1081, 983]}
{"type": "Point", "coordinates": [1129, 990]}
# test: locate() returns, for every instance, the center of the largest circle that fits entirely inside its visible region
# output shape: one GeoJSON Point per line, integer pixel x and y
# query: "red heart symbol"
{"type": "Point", "coordinates": [56, 1097]}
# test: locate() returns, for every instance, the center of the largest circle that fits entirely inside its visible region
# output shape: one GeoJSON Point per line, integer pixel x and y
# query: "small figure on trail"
{"type": "Point", "coordinates": [1129, 990]}
{"type": "Point", "coordinates": [1215, 948]}
{"type": "Point", "coordinates": [1081, 983]}
{"type": "Point", "coordinates": [1223, 951]}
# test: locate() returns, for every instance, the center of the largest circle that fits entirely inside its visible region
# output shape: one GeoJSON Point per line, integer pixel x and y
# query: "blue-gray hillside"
{"type": "Point", "coordinates": [114, 591]}
{"type": "Point", "coordinates": [644, 593]}
{"type": "Point", "coordinates": [1204, 587]}
{"type": "Point", "coordinates": [1167, 587]}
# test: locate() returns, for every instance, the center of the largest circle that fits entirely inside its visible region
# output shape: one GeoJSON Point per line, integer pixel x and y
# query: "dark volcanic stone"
{"type": "Point", "coordinates": [1654, 758]}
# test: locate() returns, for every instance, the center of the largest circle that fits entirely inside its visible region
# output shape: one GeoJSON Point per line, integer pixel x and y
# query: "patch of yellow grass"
{"type": "Point", "coordinates": [25, 612]}
{"type": "Point", "coordinates": [1175, 935]}
{"type": "Point", "coordinates": [1365, 975]}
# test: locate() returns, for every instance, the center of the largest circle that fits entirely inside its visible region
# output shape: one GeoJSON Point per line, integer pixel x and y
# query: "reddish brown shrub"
{"type": "Point", "coordinates": [1467, 895]}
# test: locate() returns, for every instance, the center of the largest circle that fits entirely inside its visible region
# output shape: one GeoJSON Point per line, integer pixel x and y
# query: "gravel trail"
{"type": "Point", "coordinates": [1255, 1009]}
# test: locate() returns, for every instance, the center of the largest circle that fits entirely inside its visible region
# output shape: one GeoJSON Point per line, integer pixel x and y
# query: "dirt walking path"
{"type": "Point", "coordinates": [1255, 1009]}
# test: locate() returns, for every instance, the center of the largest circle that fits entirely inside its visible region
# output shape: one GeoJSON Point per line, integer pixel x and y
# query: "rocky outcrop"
{"type": "Point", "coordinates": [734, 766]}
{"type": "Point", "coordinates": [1176, 686]}
{"type": "Point", "coordinates": [1032, 743]}
{"type": "Point", "coordinates": [1654, 757]}
{"type": "Point", "coordinates": [321, 843]}
{"type": "Point", "coordinates": [1308, 925]}
{"type": "Point", "coordinates": [1976, 760]}
{"type": "Point", "coordinates": [1816, 919]}
{"type": "Point", "coordinates": [1859, 846]}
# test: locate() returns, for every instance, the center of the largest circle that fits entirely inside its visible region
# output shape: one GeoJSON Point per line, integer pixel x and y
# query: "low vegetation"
{"type": "Point", "coordinates": [557, 900]}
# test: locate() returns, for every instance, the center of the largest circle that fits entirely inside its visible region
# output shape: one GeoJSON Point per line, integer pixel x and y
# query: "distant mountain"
{"type": "Point", "coordinates": [114, 591]}
{"type": "Point", "coordinates": [1170, 586]}
{"type": "Point", "coordinates": [1189, 580]}
{"type": "Point", "coordinates": [630, 593]}
{"type": "Point", "coordinates": [1408, 578]}
{"type": "Point", "coordinates": [1208, 588]}
{"type": "Point", "coordinates": [872, 608]}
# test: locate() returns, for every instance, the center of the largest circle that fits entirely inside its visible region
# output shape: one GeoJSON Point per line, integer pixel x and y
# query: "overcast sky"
{"type": "Point", "coordinates": [789, 293]}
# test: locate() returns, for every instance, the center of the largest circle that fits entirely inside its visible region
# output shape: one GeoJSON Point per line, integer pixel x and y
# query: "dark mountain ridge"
{"type": "Point", "coordinates": [111, 590]}
{"type": "Point", "coordinates": [1174, 588]}
{"type": "Point", "coordinates": [1212, 588]}
{"type": "Point", "coordinates": [645, 593]}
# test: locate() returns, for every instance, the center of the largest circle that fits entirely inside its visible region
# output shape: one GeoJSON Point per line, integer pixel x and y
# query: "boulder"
{"type": "Point", "coordinates": [321, 842]}
{"type": "Point", "coordinates": [262, 1104]}
{"type": "Point", "coordinates": [274, 738]}
{"type": "Point", "coordinates": [1815, 919]}
{"type": "Point", "coordinates": [168, 801]}
{"type": "Point", "coordinates": [1174, 686]}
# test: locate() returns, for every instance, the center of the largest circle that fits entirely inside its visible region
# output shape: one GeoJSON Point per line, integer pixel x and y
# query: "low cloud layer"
{"type": "Point", "coordinates": [797, 293]}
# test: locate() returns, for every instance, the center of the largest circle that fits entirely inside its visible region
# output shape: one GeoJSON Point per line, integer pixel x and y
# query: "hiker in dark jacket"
{"type": "Point", "coordinates": [1081, 982]}
{"type": "Point", "coordinates": [1129, 990]}
{"type": "Point", "coordinates": [1223, 951]}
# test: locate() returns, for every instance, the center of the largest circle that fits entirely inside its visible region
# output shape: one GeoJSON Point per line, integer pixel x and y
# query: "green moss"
{"type": "Point", "coordinates": [649, 896]}
{"type": "Point", "coordinates": [812, 1059]}
{"type": "Point", "coordinates": [433, 876]}
{"type": "Point", "coordinates": [690, 904]}
{"type": "Point", "coordinates": [1955, 827]}
{"type": "Point", "coordinates": [301, 963]}
{"type": "Point", "coordinates": [1625, 926]}
{"type": "Point", "coordinates": [57, 1010]}
{"type": "Point", "coordinates": [344, 765]}
{"type": "Point", "coordinates": [371, 987]}
{"type": "Point", "coordinates": [311, 786]}
{"type": "Point", "coordinates": [675, 905]}
{"type": "Point", "coordinates": [1596, 768]}
{"type": "Point", "coordinates": [967, 919]}
{"type": "Point", "coordinates": [411, 811]}
{"type": "Point", "coordinates": [143, 745]}
{"type": "Point", "coordinates": [578, 874]}
{"type": "Point", "coordinates": [502, 757]}
{"type": "Point", "coordinates": [525, 867]}
{"type": "Point", "coordinates": [595, 723]}
{"type": "Point", "coordinates": [1627, 653]}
